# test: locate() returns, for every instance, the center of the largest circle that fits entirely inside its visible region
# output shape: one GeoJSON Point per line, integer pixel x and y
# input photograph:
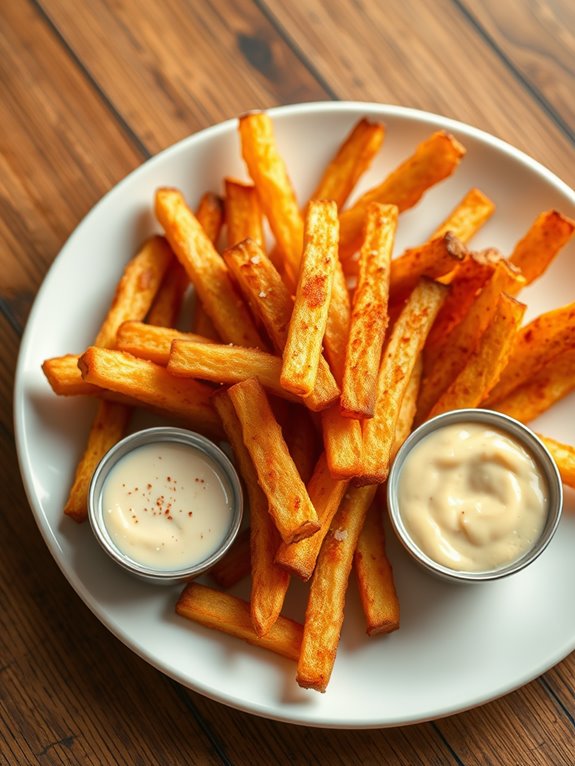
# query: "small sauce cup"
{"type": "Point", "coordinates": [158, 504]}
{"type": "Point", "coordinates": [520, 434]}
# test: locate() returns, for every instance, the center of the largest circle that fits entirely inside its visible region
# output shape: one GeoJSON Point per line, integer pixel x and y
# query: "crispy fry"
{"type": "Point", "coordinates": [289, 503]}
{"type": "Point", "coordinates": [375, 577]}
{"type": "Point", "coordinates": [108, 427]}
{"type": "Point", "coordinates": [210, 215]}
{"type": "Point", "coordinates": [203, 325]}
{"type": "Point", "coordinates": [326, 493]}
{"type": "Point", "coordinates": [271, 302]}
{"type": "Point", "coordinates": [467, 217]}
{"type": "Point", "coordinates": [235, 564]}
{"type": "Point", "coordinates": [547, 235]}
{"type": "Point", "coordinates": [369, 316]}
{"type": "Point", "coordinates": [275, 191]}
{"type": "Point", "coordinates": [308, 321]}
{"type": "Point", "coordinates": [536, 344]}
{"type": "Point", "coordinates": [302, 439]}
{"type": "Point", "coordinates": [231, 615]}
{"type": "Point", "coordinates": [338, 323]}
{"type": "Point", "coordinates": [243, 213]}
{"type": "Point", "coordinates": [564, 456]}
{"type": "Point", "coordinates": [325, 607]}
{"type": "Point", "coordinates": [434, 259]}
{"type": "Point", "coordinates": [433, 160]}
{"type": "Point", "coordinates": [151, 385]}
{"type": "Point", "coordinates": [269, 582]}
{"type": "Point", "coordinates": [351, 160]}
{"type": "Point", "coordinates": [399, 359]}
{"type": "Point", "coordinates": [453, 354]}
{"type": "Point", "coordinates": [152, 342]}
{"type": "Point", "coordinates": [536, 395]}
{"type": "Point", "coordinates": [206, 270]}
{"type": "Point", "coordinates": [408, 408]}
{"type": "Point", "coordinates": [167, 304]}
{"type": "Point", "coordinates": [65, 378]}
{"type": "Point", "coordinates": [342, 442]}
{"type": "Point", "coordinates": [483, 367]}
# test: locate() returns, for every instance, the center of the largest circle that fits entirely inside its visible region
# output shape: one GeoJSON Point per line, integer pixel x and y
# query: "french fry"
{"type": "Point", "coordinates": [235, 564]}
{"type": "Point", "coordinates": [399, 359]}
{"type": "Point", "coordinates": [275, 191]}
{"type": "Point", "coordinates": [463, 339]}
{"type": "Point", "coordinates": [152, 342]}
{"type": "Point", "coordinates": [338, 323]}
{"type": "Point", "coordinates": [302, 439]}
{"type": "Point", "coordinates": [65, 378]}
{"type": "Point", "coordinates": [433, 160]}
{"type": "Point", "coordinates": [289, 503]}
{"type": "Point", "coordinates": [167, 304]}
{"type": "Point", "coordinates": [564, 457]}
{"type": "Point", "coordinates": [549, 232]}
{"type": "Point", "coordinates": [202, 325]}
{"type": "Point", "coordinates": [206, 270]}
{"type": "Point", "coordinates": [342, 442]}
{"type": "Point", "coordinates": [269, 582]}
{"type": "Point", "coordinates": [243, 213]}
{"type": "Point", "coordinates": [326, 493]}
{"type": "Point", "coordinates": [541, 391]}
{"type": "Point", "coordinates": [152, 385]}
{"type": "Point", "coordinates": [325, 607]}
{"type": "Point", "coordinates": [535, 345]}
{"type": "Point", "coordinates": [483, 367]}
{"type": "Point", "coordinates": [308, 321]}
{"type": "Point", "coordinates": [210, 215]}
{"type": "Point", "coordinates": [271, 302]}
{"type": "Point", "coordinates": [351, 160]}
{"type": "Point", "coordinates": [375, 576]}
{"type": "Point", "coordinates": [408, 408]}
{"type": "Point", "coordinates": [467, 217]}
{"type": "Point", "coordinates": [231, 615]}
{"type": "Point", "coordinates": [369, 314]}
{"type": "Point", "coordinates": [226, 364]}
{"type": "Point", "coordinates": [108, 427]}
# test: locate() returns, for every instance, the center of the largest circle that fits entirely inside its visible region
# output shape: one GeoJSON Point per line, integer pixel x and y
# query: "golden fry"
{"type": "Point", "coordinates": [65, 378]}
{"type": "Point", "coordinates": [235, 564]}
{"type": "Point", "coordinates": [564, 456]}
{"type": "Point", "coordinates": [437, 258]}
{"type": "Point", "coordinates": [342, 442]}
{"type": "Point", "coordinates": [338, 323]}
{"type": "Point", "coordinates": [302, 439]}
{"type": "Point", "coordinates": [467, 217]}
{"type": "Point", "coordinates": [167, 304]}
{"type": "Point", "coordinates": [151, 342]}
{"type": "Point", "coordinates": [548, 234]}
{"type": "Point", "coordinates": [243, 213]}
{"type": "Point", "coordinates": [210, 215]}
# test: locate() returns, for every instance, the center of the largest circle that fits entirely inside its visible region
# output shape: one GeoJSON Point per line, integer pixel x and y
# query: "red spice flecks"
{"type": "Point", "coordinates": [190, 514]}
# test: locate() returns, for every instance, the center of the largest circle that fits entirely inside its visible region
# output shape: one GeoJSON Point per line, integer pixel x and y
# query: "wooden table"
{"type": "Point", "coordinates": [89, 90]}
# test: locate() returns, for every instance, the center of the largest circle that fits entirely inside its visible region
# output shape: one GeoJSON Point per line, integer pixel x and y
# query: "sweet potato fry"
{"type": "Point", "coordinates": [271, 302]}
{"type": "Point", "coordinates": [399, 359]}
{"type": "Point", "coordinates": [549, 232]}
{"type": "Point", "coordinates": [231, 615]}
{"type": "Point", "coordinates": [235, 564]}
{"type": "Point", "coordinates": [206, 270]}
{"type": "Point", "coordinates": [308, 321]}
{"type": "Point", "coordinates": [243, 213]}
{"type": "Point", "coordinates": [153, 386]}
{"type": "Point", "coordinates": [326, 493]}
{"type": "Point", "coordinates": [351, 160]}
{"type": "Point", "coordinates": [269, 582]}
{"type": "Point", "coordinates": [275, 191]}
{"type": "Point", "coordinates": [434, 259]}
{"type": "Point", "coordinates": [536, 395]}
{"type": "Point", "coordinates": [467, 217]}
{"type": "Point", "coordinates": [342, 442]}
{"type": "Point", "coordinates": [369, 315]}
{"type": "Point", "coordinates": [535, 345]}
{"type": "Point", "coordinates": [289, 503]}
{"type": "Point", "coordinates": [151, 342]}
{"type": "Point", "coordinates": [564, 456]}
{"type": "Point", "coordinates": [483, 367]}
{"type": "Point", "coordinates": [433, 160]}
{"type": "Point", "coordinates": [325, 607]}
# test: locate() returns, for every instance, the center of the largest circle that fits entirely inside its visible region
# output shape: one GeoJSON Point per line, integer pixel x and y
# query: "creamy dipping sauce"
{"type": "Point", "coordinates": [472, 498]}
{"type": "Point", "coordinates": [167, 505]}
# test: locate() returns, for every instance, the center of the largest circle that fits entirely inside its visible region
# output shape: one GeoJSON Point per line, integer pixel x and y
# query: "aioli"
{"type": "Point", "coordinates": [166, 505]}
{"type": "Point", "coordinates": [472, 498]}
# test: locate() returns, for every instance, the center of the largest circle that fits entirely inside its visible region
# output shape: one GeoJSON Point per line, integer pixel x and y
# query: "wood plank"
{"type": "Point", "coordinates": [441, 64]}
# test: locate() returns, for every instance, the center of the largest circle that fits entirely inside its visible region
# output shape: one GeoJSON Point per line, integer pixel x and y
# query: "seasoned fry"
{"type": "Point", "coordinates": [235, 564]}
{"type": "Point", "coordinates": [536, 344]}
{"type": "Point", "coordinates": [342, 442]}
{"type": "Point", "coordinates": [433, 160]}
{"type": "Point", "coordinates": [308, 321]}
{"type": "Point", "coordinates": [108, 427]}
{"type": "Point", "coordinates": [326, 493]}
{"type": "Point", "coordinates": [325, 607]}
{"type": "Point", "coordinates": [467, 217]}
{"type": "Point", "coordinates": [541, 391]}
{"type": "Point", "coordinates": [399, 359]}
{"type": "Point", "coordinates": [338, 323]}
{"type": "Point", "coordinates": [152, 342]}
{"type": "Point", "coordinates": [231, 615]}
{"type": "Point", "coordinates": [289, 503]}
{"type": "Point", "coordinates": [547, 235]}
{"type": "Point", "coordinates": [269, 582]}
{"type": "Point", "coordinates": [351, 160]}
{"type": "Point", "coordinates": [483, 367]}
{"type": "Point", "coordinates": [564, 456]}
{"type": "Point", "coordinates": [437, 258]}
{"type": "Point", "coordinates": [275, 191]}
{"type": "Point", "coordinates": [206, 270]}
{"type": "Point", "coordinates": [243, 213]}
{"type": "Point", "coordinates": [408, 408]}
{"type": "Point", "coordinates": [369, 316]}
{"type": "Point", "coordinates": [302, 439]}
{"type": "Point", "coordinates": [210, 215]}
{"type": "Point", "coordinates": [153, 386]}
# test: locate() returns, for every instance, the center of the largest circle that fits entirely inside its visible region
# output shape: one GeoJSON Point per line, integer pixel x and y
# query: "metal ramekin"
{"type": "Point", "coordinates": [158, 436]}
{"type": "Point", "coordinates": [527, 439]}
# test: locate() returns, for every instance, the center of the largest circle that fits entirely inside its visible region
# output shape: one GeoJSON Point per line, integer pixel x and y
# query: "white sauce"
{"type": "Point", "coordinates": [472, 498]}
{"type": "Point", "coordinates": [167, 505]}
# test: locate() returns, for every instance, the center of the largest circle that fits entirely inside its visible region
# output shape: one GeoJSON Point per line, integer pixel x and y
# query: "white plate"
{"type": "Point", "coordinates": [458, 646]}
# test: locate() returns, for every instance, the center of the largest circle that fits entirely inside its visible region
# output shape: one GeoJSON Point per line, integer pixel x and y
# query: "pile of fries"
{"type": "Point", "coordinates": [314, 356]}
